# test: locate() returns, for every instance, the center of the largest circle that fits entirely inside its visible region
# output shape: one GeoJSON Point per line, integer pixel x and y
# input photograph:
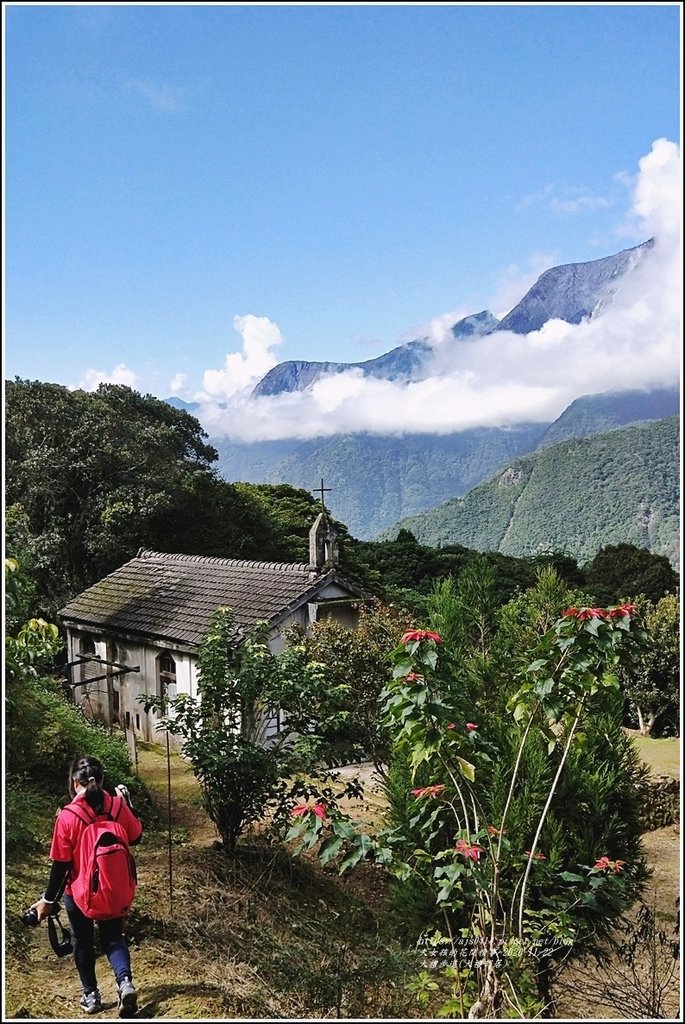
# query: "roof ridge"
{"type": "Point", "coordinates": [146, 553]}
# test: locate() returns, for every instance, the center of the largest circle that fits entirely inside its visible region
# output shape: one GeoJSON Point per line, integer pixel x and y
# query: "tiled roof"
{"type": "Point", "coordinates": [173, 596]}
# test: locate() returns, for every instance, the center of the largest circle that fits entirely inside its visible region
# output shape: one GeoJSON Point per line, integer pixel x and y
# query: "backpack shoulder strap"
{"type": "Point", "coordinates": [80, 813]}
{"type": "Point", "coordinates": [116, 806]}
{"type": "Point", "coordinates": [87, 815]}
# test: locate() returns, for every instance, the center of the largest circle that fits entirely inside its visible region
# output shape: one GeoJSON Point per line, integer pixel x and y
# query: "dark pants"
{"type": "Point", "coordinates": [112, 943]}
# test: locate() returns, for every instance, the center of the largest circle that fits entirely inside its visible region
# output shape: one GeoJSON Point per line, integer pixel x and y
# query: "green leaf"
{"type": "Point", "coordinates": [452, 1008]}
{"type": "Point", "coordinates": [330, 849]}
{"type": "Point", "coordinates": [466, 769]}
{"type": "Point", "coordinates": [350, 861]}
{"type": "Point", "coordinates": [293, 832]}
{"type": "Point", "coordinates": [520, 712]}
{"type": "Point", "coordinates": [344, 829]}
{"type": "Point", "coordinates": [401, 871]}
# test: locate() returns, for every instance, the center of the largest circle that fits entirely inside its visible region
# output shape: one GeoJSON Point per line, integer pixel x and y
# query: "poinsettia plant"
{"type": "Point", "coordinates": [515, 897]}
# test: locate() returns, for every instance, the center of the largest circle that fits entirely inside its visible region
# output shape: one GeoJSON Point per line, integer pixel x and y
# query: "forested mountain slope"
{"type": "Point", "coordinates": [375, 479]}
{"type": "Point", "coordinates": [576, 496]}
{"type": "Point", "coordinates": [378, 480]}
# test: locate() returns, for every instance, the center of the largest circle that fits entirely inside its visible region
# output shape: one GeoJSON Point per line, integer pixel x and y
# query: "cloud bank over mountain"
{"type": "Point", "coordinates": [500, 379]}
{"type": "Point", "coordinates": [497, 380]}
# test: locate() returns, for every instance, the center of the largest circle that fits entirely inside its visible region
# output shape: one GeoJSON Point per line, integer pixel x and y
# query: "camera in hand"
{"type": "Point", "coordinates": [30, 918]}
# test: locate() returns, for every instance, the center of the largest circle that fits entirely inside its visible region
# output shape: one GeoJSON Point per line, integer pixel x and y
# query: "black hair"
{"type": "Point", "coordinates": [88, 772]}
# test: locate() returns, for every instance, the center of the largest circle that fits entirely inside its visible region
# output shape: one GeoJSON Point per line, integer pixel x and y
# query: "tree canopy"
{"type": "Point", "coordinates": [95, 476]}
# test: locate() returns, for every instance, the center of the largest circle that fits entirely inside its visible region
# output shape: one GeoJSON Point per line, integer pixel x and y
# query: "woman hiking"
{"type": "Point", "coordinates": [89, 852]}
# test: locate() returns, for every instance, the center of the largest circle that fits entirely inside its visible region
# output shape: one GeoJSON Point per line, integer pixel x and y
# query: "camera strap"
{"type": "Point", "coordinates": [59, 936]}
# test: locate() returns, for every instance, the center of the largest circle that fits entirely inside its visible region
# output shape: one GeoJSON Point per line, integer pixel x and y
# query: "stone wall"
{"type": "Point", "coordinates": [661, 802]}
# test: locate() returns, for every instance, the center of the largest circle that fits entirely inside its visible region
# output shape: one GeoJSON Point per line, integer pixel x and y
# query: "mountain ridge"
{"type": "Point", "coordinates": [378, 479]}
{"type": "Point", "coordinates": [570, 292]}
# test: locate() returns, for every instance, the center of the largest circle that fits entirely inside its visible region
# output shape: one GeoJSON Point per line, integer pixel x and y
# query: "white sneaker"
{"type": "Point", "coordinates": [128, 999]}
{"type": "Point", "coordinates": [91, 1001]}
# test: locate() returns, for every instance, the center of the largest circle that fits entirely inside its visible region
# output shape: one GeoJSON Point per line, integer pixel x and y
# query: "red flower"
{"type": "Point", "coordinates": [413, 677]}
{"type": "Point", "coordinates": [535, 856]}
{"type": "Point", "coordinates": [468, 850]}
{"type": "Point", "coordinates": [471, 726]}
{"type": "Point", "coordinates": [604, 863]}
{"type": "Point", "coordinates": [420, 634]}
{"type": "Point", "coordinates": [428, 790]}
{"type": "Point", "coordinates": [621, 611]}
{"type": "Point", "coordinates": [318, 809]}
{"type": "Point", "coordinates": [593, 613]}
{"type": "Point", "coordinates": [587, 613]}
{"type": "Point", "coordinates": [452, 725]}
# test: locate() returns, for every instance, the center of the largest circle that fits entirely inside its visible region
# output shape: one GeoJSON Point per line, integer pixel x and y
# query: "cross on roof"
{"type": "Point", "coordinates": [322, 490]}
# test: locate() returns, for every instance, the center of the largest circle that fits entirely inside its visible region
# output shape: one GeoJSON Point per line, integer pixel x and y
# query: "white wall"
{"type": "Point", "coordinates": [92, 697]}
{"type": "Point", "coordinates": [129, 686]}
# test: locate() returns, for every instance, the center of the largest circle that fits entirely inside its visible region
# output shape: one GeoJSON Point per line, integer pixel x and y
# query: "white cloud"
{"type": "Point", "coordinates": [178, 384]}
{"type": "Point", "coordinates": [121, 374]}
{"type": "Point", "coordinates": [560, 197]}
{"type": "Point", "coordinates": [658, 195]}
{"type": "Point", "coordinates": [242, 370]}
{"type": "Point", "coordinates": [159, 95]}
{"type": "Point", "coordinates": [498, 380]}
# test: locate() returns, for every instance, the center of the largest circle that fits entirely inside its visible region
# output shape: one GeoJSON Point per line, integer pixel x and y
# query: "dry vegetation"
{"type": "Point", "coordinates": [258, 937]}
{"type": "Point", "coordinates": [261, 937]}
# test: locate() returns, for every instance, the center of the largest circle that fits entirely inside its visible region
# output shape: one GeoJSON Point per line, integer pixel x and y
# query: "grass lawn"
{"type": "Point", "coordinates": [663, 756]}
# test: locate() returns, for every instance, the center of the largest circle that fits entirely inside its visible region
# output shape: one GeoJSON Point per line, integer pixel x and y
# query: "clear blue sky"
{"type": "Point", "coordinates": [346, 171]}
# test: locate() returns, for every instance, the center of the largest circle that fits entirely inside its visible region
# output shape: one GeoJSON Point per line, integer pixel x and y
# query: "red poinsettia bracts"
{"type": "Point", "coordinates": [318, 809]}
{"type": "Point", "coordinates": [428, 790]}
{"type": "Point", "coordinates": [471, 851]}
{"type": "Point", "coordinates": [621, 611]}
{"type": "Point", "coordinates": [413, 635]}
{"type": "Point", "coordinates": [604, 864]}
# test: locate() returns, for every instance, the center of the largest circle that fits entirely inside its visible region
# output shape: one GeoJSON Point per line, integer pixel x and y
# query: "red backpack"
{"type": "Point", "coordinates": [106, 883]}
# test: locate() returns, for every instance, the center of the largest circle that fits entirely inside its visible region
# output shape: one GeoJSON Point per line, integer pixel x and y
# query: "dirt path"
{"type": "Point", "coordinates": [44, 987]}
{"type": "Point", "coordinates": [183, 964]}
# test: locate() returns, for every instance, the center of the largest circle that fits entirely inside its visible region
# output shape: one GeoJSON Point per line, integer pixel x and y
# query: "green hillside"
{"type": "Point", "coordinates": [576, 496]}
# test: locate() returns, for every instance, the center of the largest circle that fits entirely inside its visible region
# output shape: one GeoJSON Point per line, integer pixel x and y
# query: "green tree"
{"type": "Point", "coordinates": [652, 682]}
{"type": "Point", "coordinates": [619, 572]}
{"type": "Point", "coordinates": [291, 512]}
{"type": "Point", "coordinates": [242, 772]}
{"type": "Point", "coordinates": [43, 730]}
{"type": "Point", "coordinates": [99, 475]}
{"type": "Point", "coordinates": [525, 819]}
{"type": "Point", "coordinates": [356, 666]}
{"type": "Point", "coordinates": [404, 563]}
